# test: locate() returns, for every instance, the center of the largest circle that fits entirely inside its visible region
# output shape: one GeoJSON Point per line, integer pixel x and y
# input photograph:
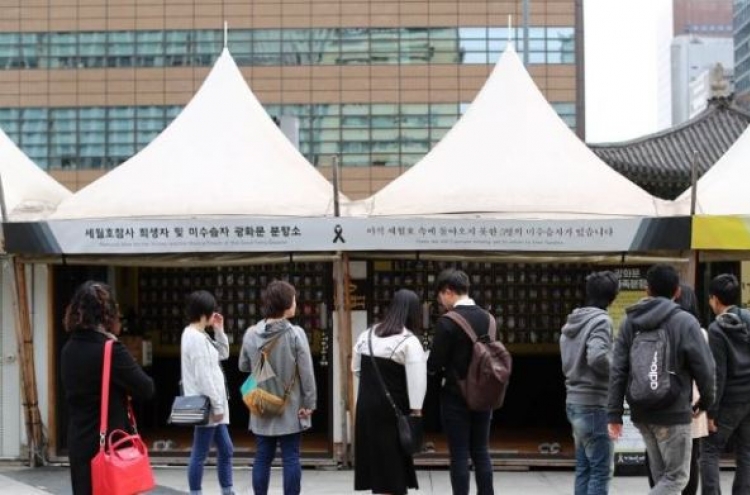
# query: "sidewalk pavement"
{"type": "Point", "coordinates": [173, 481]}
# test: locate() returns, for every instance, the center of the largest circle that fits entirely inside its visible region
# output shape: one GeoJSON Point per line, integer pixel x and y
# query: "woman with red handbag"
{"type": "Point", "coordinates": [92, 319]}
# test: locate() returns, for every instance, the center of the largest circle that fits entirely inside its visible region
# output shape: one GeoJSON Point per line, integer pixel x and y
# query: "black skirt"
{"type": "Point", "coordinates": [381, 465]}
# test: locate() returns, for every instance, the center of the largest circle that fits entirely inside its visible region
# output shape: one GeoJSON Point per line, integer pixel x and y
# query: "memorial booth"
{"type": "Point", "coordinates": [510, 195]}
{"type": "Point", "coordinates": [220, 200]}
{"type": "Point", "coordinates": [514, 198]}
{"type": "Point", "coordinates": [721, 224]}
{"type": "Point", "coordinates": [26, 193]}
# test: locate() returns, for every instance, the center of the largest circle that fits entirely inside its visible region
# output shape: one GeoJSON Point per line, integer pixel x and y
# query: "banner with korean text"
{"type": "Point", "coordinates": [248, 234]}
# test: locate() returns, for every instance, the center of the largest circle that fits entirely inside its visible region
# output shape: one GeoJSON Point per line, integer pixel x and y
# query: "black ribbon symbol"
{"type": "Point", "coordinates": [338, 231]}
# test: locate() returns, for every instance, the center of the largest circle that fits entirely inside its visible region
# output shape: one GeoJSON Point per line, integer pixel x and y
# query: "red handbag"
{"type": "Point", "coordinates": [121, 467]}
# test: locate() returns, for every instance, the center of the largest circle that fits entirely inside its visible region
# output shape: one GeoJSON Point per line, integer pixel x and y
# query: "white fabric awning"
{"type": "Point", "coordinates": [511, 156]}
{"type": "Point", "coordinates": [30, 193]}
{"type": "Point", "coordinates": [222, 155]}
{"type": "Point", "coordinates": [723, 190]}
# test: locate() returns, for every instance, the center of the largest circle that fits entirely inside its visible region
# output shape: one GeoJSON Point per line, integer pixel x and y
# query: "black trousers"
{"type": "Point", "coordinates": [692, 486]}
{"type": "Point", "coordinates": [80, 476]}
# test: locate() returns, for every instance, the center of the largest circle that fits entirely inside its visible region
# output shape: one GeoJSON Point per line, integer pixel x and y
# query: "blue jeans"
{"type": "Point", "coordinates": [203, 437]}
{"type": "Point", "coordinates": [266, 451]}
{"type": "Point", "coordinates": [734, 420]}
{"type": "Point", "coordinates": [594, 451]}
{"type": "Point", "coordinates": [669, 450]}
{"type": "Point", "coordinates": [468, 435]}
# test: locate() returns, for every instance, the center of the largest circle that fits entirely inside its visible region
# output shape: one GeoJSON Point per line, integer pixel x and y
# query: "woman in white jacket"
{"type": "Point", "coordinates": [202, 375]}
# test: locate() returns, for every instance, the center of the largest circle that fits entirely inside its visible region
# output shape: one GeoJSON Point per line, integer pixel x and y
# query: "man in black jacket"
{"type": "Point", "coordinates": [468, 431]}
{"type": "Point", "coordinates": [729, 338]}
{"type": "Point", "coordinates": [666, 430]}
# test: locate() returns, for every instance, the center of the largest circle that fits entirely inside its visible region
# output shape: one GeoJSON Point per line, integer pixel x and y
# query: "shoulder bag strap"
{"type": "Point", "coordinates": [459, 320]}
{"type": "Point", "coordinates": [288, 389]}
{"type": "Point", "coordinates": [492, 330]}
{"type": "Point", "coordinates": [398, 346]}
{"type": "Point", "coordinates": [380, 377]}
{"type": "Point", "coordinates": [104, 407]}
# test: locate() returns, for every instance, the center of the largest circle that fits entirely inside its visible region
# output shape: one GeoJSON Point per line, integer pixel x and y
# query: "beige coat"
{"type": "Point", "coordinates": [700, 423]}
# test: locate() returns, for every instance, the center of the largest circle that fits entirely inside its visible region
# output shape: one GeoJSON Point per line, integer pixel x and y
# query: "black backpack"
{"type": "Point", "coordinates": [653, 381]}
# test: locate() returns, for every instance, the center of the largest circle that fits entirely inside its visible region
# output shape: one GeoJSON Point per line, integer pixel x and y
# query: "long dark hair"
{"type": "Point", "coordinates": [688, 300]}
{"type": "Point", "coordinates": [404, 311]}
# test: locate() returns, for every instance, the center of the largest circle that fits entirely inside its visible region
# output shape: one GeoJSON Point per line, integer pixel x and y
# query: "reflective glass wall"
{"type": "Point", "coordinates": [378, 134]}
{"type": "Point", "coordinates": [281, 47]}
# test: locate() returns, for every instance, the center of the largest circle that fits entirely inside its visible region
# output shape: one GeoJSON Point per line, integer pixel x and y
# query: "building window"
{"type": "Point", "coordinates": [281, 47]}
{"type": "Point", "coordinates": [380, 134]}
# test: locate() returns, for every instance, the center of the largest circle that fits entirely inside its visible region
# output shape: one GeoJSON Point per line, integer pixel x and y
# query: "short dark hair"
{"type": "Point", "coordinates": [662, 281]}
{"type": "Point", "coordinates": [726, 288]}
{"type": "Point", "coordinates": [277, 298]}
{"type": "Point", "coordinates": [601, 289]}
{"type": "Point", "coordinates": [455, 280]}
{"type": "Point", "coordinates": [93, 305]}
{"type": "Point", "coordinates": [404, 311]}
{"type": "Point", "coordinates": [200, 303]}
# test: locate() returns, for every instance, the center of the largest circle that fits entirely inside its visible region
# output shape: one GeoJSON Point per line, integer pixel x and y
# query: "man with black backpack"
{"type": "Point", "coordinates": [659, 352]}
{"type": "Point", "coordinates": [729, 339]}
{"type": "Point", "coordinates": [472, 370]}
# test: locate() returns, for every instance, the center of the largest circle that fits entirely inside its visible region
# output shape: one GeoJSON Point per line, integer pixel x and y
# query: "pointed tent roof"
{"type": "Point", "coordinates": [510, 155]}
{"type": "Point", "coordinates": [723, 189]}
{"type": "Point", "coordinates": [222, 155]}
{"type": "Point", "coordinates": [30, 193]}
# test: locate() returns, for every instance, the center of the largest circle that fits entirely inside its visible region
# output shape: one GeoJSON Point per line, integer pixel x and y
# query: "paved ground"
{"type": "Point", "coordinates": [45, 481]}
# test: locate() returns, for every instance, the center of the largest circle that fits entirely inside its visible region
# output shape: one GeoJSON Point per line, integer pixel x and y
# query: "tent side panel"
{"type": "Point", "coordinates": [11, 426]}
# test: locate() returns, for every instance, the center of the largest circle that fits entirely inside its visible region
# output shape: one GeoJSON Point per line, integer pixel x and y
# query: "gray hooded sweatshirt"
{"type": "Point", "coordinates": [586, 349]}
{"type": "Point", "coordinates": [289, 356]}
{"type": "Point", "coordinates": [691, 356]}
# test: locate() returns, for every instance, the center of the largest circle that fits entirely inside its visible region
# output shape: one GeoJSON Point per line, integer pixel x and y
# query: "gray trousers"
{"type": "Point", "coordinates": [669, 448]}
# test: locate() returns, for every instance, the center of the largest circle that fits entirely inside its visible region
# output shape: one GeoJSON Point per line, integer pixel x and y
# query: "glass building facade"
{"type": "Point", "coordinates": [85, 84]}
{"type": "Point", "coordinates": [280, 47]}
{"type": "Point", "coordinates": [742, 50]}
{"type": "Point", "coordinates": [376, 134]}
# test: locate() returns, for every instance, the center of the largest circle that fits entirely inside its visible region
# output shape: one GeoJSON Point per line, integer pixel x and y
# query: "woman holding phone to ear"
{"type": "Point", "coordinates": [202, 375]}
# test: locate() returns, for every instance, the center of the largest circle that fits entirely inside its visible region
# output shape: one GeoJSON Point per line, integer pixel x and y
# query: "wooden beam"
{"type": "Point", "coordinates": [25, 342]}
{"type": "Point", "coordinates": [345, 348]}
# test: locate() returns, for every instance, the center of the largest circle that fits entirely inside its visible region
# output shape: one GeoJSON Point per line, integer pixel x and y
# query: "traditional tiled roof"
{"type": "Point", "coordinates": [660, 163]}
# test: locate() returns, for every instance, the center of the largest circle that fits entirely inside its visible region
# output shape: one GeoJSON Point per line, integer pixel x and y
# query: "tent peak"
{"type": "Point", "coordinates": [510, 30]}
{"type": "Point", "coordinates": [223, 140]}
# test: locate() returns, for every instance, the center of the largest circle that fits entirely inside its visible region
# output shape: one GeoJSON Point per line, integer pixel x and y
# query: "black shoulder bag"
{"type": "Point", "coordinates": [409, 427]}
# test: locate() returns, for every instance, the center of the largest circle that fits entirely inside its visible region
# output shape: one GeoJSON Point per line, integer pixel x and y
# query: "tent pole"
{"type": "Point", "coordinates": [692, 268]}
{"type": "Point", "coordinates": [693, 183]}
{"type": "Point", "coordinates": [336, 206]}
{"type": "Point", "coordinates": [344, 327]}
{"type": "Point", "coordinates": [25, 345]}
{"type": "Point", "coordinates": [3, 208]}
{"type": "Point", "coordinates": [525, 20]}
{"type": "Point", "coordinates": [345, 346]}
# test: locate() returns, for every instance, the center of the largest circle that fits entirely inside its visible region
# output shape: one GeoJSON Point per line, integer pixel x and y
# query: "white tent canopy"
{"type": "Point", "coordinates": [30, 193]}
{"type": "Point", "coordinates": [723, 190]}
{"type": "Point", "coordinates": [222, 155]}
{"type": "Point", "coordinates": [511, 156]}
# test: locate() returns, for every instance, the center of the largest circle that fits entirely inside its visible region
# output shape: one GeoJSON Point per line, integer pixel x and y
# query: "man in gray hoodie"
{"type": "Point", "coordinates": [665, 426]}
{"type": "Point", "coordinates": [729, 338]}
{"type": "Point", "coordinates": [586, 346]}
